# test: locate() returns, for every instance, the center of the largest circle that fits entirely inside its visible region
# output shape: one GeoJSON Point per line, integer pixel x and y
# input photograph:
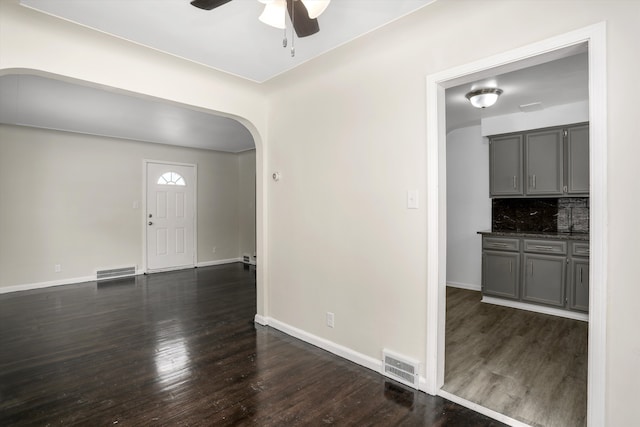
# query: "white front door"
{"type": "Point", "coordinates": [170, 216]}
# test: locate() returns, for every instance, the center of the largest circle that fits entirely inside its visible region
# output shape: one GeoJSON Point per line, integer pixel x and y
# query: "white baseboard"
{"type": "Point", "coordinates": [330, 346]}
{"type": "Point", "coordinates": [75, 280]}
{"type": "Point", "coordinates": [40, 285]}
{"type": "Point", "coordinates": [482, 410]}
{"type": "Point", "coordinates": [466, 286]}
{"type": "Point", "coordinates": [218, 262]}
{"type": "Point", "coordinates": [261, 320]}
{"type": "Point", "coordinates": [60, 282]}
{"type": "Point", "coordinates": [537, 308]}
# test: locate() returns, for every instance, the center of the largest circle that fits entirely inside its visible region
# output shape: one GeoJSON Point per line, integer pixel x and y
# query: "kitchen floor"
{"type": "Point", "coordinates": [529, 366]}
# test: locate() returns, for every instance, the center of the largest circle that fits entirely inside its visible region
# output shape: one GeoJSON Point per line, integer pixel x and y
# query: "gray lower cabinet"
{"type": "Point", "coordinates": [543, 279]}
{"type": "Point", "coordinates": [538, 271]}
{"type": "Point", "coordinates": [579, 277]}
{"type": "Point", "coordinates": [500, 271]}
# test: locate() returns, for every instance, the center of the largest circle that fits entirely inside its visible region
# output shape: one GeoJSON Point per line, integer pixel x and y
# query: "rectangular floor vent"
{"type": "Point", "coordinates": [116, 272]}
{"type": "Point", "coordinates": [400, 368]}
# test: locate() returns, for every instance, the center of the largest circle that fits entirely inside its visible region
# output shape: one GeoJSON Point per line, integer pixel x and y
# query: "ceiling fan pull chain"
{"type": "Point", "coordinates": [284, 36]}
{"type": "Point", "coordinates": [293, 26]}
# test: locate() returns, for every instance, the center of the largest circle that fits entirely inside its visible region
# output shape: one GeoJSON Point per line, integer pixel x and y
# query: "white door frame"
{"type": "Point", "coordinates": [145, 163]}
{"type": "Point", "coordinates": [595, 37]}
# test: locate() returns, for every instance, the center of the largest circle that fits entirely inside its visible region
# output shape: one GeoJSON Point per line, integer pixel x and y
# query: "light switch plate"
{"type": "Point", "coordinates": [412, 199]}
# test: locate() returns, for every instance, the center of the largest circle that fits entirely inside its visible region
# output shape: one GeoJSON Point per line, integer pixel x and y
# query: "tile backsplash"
{"type": "Point", "coordinates": [568, 214]}
{"type": "Point", "coordinates": [573, 214]}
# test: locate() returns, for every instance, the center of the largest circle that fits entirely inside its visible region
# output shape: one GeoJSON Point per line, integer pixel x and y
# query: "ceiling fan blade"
{"type": "Point", "coordinates": [208, 4]}
{"type": "Point", "coordinates": [299, 15]}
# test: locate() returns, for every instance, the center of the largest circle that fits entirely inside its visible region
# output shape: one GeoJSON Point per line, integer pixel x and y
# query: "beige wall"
{"type": "Point", "coordinates": [247, 202]}
{"type": "Point", "coordinates": [69, 199]}
{"type": "Point", "coordinates": [347, 132]}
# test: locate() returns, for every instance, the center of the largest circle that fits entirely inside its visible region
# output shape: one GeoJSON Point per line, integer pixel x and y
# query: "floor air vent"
{"type": "Point", "coordinates": [400, 368]}
{"type": "Point", "coordinates": [115, 272]}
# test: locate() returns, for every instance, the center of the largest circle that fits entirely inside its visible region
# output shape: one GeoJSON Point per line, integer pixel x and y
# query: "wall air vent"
{"type": "Point", "coordinates": [400, 368]}
{"type": "Point", "coordinates": [115, 273]}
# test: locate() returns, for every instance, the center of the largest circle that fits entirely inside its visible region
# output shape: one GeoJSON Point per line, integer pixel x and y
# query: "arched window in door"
{"type": "Point", "coordinates": [171, 178]}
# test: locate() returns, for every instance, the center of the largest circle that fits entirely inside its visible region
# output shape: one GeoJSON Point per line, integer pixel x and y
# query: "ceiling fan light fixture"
{"type": "Point", "coordinates": [315, 7]}
{"type": "Point", "coordinates": [274, 13]}
{"type": "Point", "coordinates": [483, 98]}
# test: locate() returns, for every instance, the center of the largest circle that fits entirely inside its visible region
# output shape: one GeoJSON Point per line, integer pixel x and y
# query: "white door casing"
{"type": "Point", "coordinates": [170, 216]}
{"type": "Point", "coordinates": [595, 36]}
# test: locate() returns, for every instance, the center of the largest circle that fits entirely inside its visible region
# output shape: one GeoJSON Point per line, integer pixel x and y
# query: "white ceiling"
{"type": "Point", "coordinates": [254, 53]}
{"type": "Point", "coordinates": [558, 82]}
{"type": "Point", "coordinates": [229, 38]}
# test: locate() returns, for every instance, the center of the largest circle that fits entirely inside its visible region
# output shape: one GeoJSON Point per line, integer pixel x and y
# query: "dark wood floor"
{"type": "Point", "coordinates": [529, 366]}
{"type": "Point", "coordinates": [181, 348]}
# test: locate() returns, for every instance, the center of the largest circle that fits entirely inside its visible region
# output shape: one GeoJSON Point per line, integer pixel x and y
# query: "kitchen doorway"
{"type": "Point", "coordinates": [594, 37]}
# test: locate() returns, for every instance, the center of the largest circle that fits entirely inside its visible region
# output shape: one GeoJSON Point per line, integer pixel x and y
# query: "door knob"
{"type": "Point", "coordinates": [150, 223]}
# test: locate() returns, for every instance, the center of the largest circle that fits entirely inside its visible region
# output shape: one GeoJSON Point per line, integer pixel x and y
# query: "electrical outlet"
{"type": "Point", "coordinates": [330, 319]}
{"type": "Point", "coordinates": [57, 268]}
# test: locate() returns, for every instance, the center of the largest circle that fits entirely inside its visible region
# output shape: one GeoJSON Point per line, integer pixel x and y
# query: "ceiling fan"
{"type": "Point", "coordinates": [303, 13]}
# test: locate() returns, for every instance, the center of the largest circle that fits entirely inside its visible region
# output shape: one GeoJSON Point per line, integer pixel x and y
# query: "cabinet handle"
{"type": "Point", "coordinates": [499, 245]}
{"type": "Point", "coordinates": [546, 248]}
{"type": "Point", "coordinates": [531, 264]}
{"type": "Point", "coordinates": [581, 275]}
{"type": "Point", "coordinates": [514, 182]}
{"type": "Point", "coordinates": [534, 180]}
{"type": "Point", "coordinates": [511, 268]}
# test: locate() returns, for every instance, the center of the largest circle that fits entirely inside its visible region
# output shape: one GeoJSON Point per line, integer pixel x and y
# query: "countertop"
{"type": "Point", "coordinates": [537, 235]}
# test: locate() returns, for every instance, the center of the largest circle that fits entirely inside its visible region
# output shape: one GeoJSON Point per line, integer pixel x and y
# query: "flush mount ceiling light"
{"type": "Point", "coordinates": [483, 98]}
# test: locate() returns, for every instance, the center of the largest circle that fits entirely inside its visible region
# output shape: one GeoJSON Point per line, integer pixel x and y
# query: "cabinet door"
{"type": "Point", "coordinates": [544, 279]}
{"type": "Point", "coordinates": [578, 160]}
{"type": "Point", "coordinates": [500, 272]}
{"type": "Point", "coordinates": [579, 290]}
{"type": "Point", "coordinates": [505, 166]}
{"type": "Point", "coordinates": [544, 160]}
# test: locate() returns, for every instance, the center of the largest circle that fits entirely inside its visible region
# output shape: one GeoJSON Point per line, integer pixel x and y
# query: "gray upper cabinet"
{"type": "Point", "coordinates": [577, 174]}
{"type": "Point", "coordinates": [550, 162]}
{"type": "Point", "coordinates": [506, 166]}
{"type": "Point", "coordinates": [544, 162]}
